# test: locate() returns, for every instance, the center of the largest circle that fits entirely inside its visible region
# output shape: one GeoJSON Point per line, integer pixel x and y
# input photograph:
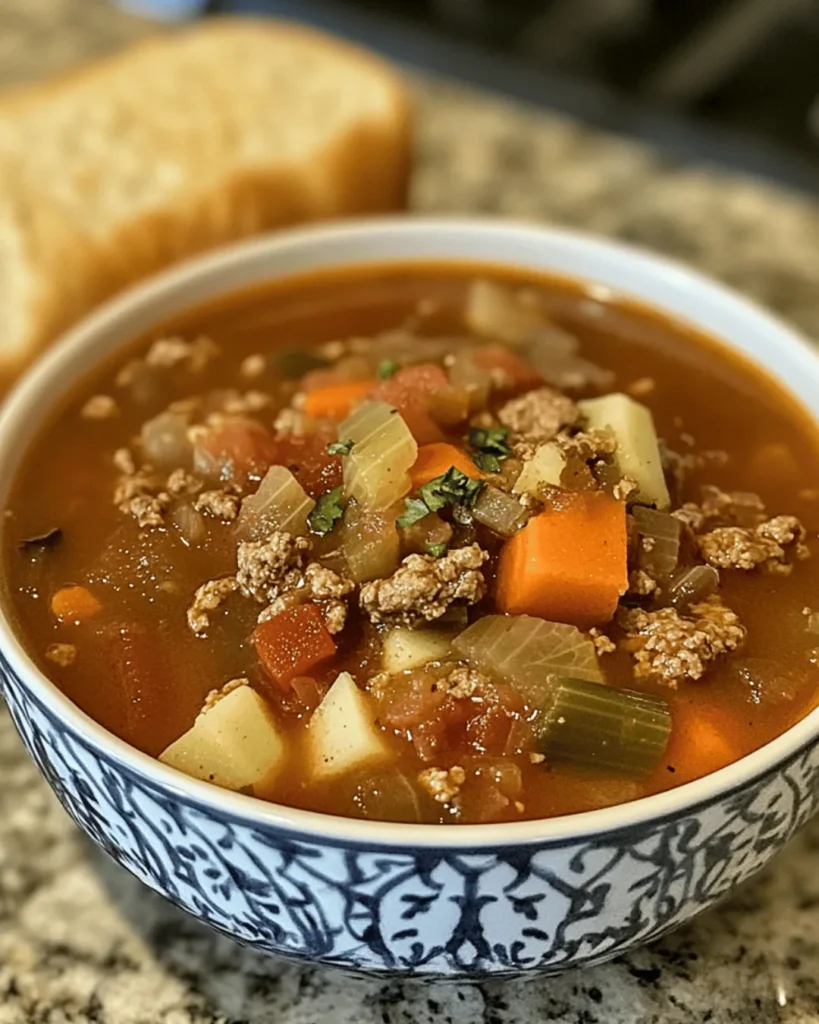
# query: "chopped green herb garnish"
{"type": "Point", "coordinates": [386, 368]}
{"type": "Point", "coordinates": [339, 447]}
{"type": "Point", "coordinates": [414, 510]}
{"type": "Point", "coordinates": [453, 488]}
{"type": "Point", "coordinates": [328, 510]}
{"type": "Point", "coordinates": [486, 461]}
{"type": "Point", "coordinates": [436, 550]}
{"type": "Point", "coordinates": [490, 439]}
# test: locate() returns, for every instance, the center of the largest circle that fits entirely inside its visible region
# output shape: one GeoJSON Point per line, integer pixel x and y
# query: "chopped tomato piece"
{"type": "Point", "coordinates": [410, 391]}
{"type": "Point", "coordinates": [293, 642]}
{"type": "Point", "coordinates": [519, 375]}
{"type": "Point", "coordinates": [307, 459]}
{"type": "Point", "coordinates": [242, 446]}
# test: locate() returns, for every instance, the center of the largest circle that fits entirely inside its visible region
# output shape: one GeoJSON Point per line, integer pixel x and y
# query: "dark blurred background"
{"type": "Point", "coordinates": [744, 71]}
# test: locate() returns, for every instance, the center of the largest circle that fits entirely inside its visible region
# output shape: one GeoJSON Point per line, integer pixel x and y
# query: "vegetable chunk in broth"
{"type": "Point", "coordinates": [426, 543]}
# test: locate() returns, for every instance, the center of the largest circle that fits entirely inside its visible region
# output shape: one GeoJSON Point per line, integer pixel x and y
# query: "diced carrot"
{"type": "Point", "coordinates": [435, 459]}
{"type": "Point", "coordinates": [75, 604]}
{"type": "Point", "coordinates": [336, 401]}
{"type": "Point", "coordinates": [521, 376]}
{"type": "Point", "coordinates": [410, 391]}
{"type": "Point", "coordinates": [293, 642]}
{"type": "Point", "coordinates": [567, 564]}
{"type": "Point", "coordinates": [701, 741]}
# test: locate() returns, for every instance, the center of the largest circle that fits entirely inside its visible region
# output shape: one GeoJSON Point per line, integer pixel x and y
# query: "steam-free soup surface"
{"type": "Point", "coordinates": [434, 543]}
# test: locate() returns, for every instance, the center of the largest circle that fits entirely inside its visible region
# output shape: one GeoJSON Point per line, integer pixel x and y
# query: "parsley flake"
{"type": "Point", "coordinates": [414, 511]}
{"type": "Point", "coordinates": [339, 447]}
{"type": "Point", "coordinates": [328, 510]}
{"type": "Point", "coordinates": [386, 368]}
{"type": "Point", "coordinates": [436, 550]}
{"type": "Point", "coordinates": [490, 447]}
{"type": "Point", "coordinates": [453, 488]}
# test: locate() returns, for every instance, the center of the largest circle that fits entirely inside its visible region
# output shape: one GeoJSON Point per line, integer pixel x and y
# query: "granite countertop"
{"type": "Point", "coordinates": [82, 941]}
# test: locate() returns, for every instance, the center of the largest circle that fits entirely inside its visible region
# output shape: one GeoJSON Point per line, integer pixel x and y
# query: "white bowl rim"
{"type": "Point", "coordinates": [682, 800]}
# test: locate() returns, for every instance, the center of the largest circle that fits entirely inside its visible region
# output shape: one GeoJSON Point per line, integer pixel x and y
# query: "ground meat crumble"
{"type": "Point", "coordinates": [602, 644]}
{"type": "Point", "coordinates": [99, 407]}
{"type": "Point", "coordinates": [142, 495]}
{"type": "Point", "coordinates": [667, 647]}
{"type": "Point", "coordinates": [463, 682]}
{"type": "Point", "coordinates": [207, 599]}
{"type": "Point", "coordinates": [768, 545]}
{"type": "Point", "coordinates": [422, 588]}
{"type": "Point", "coordinates": [538, 415]}
{"type": "Point", "coordinates": [273, 572]}
{"type": "Point", "coordinates": [62, 654]}
{"type": "Point", "coordinates": [166, 353]}
{"type": "Point", "coordinates": [718, 507]}
{"type": "Point", "coordinates": [221, 504]}
{"type": "Point", "coordinates": [442, 785]}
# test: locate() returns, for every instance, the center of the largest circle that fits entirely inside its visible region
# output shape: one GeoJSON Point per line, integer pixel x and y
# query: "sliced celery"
{"type": "Point", "coordinates": [598, 726]}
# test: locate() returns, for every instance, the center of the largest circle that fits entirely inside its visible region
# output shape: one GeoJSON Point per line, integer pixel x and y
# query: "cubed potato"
{"type": "Point", "coordinates": [410, 648]}
{"type": "Point", "coordinates": [342, 734]}
{"type": "Point", "coordinates": [234, 743]}
{"type": "Point", "coordinates": [638, 453]}
{"type": "Point", "coordinates": [544, 469]}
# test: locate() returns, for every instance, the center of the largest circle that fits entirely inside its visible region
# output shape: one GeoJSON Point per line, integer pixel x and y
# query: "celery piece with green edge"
{"type": "Point", "coordinates": [597, 726]}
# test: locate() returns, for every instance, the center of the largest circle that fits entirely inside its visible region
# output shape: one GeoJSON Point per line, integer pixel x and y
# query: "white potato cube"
{"type": "Point", "coordinates": [410, 648]}
{"type": "Point", "coordinates": [234, 743]}
{"type": "Point", "coordinates": [342, 735]}
{"type": "Point", "coordinates": [544, 469]}
{"type": "Point", "coordinates": [638, 453]}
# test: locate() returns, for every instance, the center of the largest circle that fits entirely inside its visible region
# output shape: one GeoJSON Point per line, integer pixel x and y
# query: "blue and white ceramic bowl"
{"type": "Point", "coordinates": [439, 901]}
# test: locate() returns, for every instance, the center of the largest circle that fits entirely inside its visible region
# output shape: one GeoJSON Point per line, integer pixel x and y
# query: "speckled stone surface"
{"type": "Point", "coordinates": [81, 941]}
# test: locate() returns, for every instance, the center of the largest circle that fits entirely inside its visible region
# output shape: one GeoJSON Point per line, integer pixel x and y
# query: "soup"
{"type": "Point", "coordinates": [431, 543]}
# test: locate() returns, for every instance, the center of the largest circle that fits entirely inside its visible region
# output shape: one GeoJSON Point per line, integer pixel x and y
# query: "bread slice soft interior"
{"type": "Point", "coordinates": [179, 144]}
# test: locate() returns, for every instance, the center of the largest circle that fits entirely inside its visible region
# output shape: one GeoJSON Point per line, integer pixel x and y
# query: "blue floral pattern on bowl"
{"type": "Point", "coordinates": [499, 911]}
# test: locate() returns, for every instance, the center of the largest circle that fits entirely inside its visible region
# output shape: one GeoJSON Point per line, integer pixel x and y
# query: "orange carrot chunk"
{"type": "Point", "coordinates": [567, 564]}
{"type": "Point", "coordinates": [293, 642]}
{"type": "Point", "coordinates": [435, 459]}
{"type": "Point", "coordinates": [336, 401]}
{"type": "Point", "coordinates": [74, 604]}
{"type": "Point", "coordinates": [702, 741]}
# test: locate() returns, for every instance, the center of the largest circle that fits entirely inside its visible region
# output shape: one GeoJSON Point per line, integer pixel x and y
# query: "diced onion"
{"type": "Point", "coordinates": [371, 546]}
{"type": "Point", "coordinates": [376, 471]}
{"type": "Point", "coordinates": [165, 441]}
{"type": "Point", "coordinates": [499, 511]}
{"type": "Point", "coordinates": [280, 503]}
{"type": "Point", "coordinates": [190, 523]}
{"type": "Point", "coordinates": [689, 586]}
{"type": "Point", "coordinates": [659, 545]}
{"type": "Point", "coordinates": [525, 651]}
{"type": "Point", "coordinates": [466, 375]}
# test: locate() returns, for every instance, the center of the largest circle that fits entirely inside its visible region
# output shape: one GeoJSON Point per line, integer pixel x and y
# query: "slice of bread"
{"type": "Point", "coordinates": [183, 142]}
